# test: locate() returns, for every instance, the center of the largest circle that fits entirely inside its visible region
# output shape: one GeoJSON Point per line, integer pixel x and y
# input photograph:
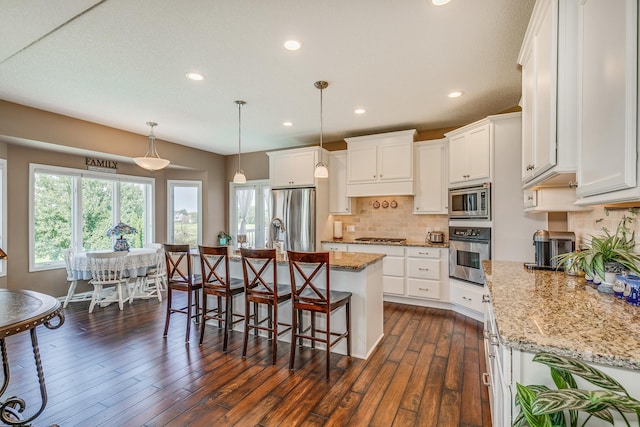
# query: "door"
{"type": "Point", "coordinates": [607, 120]}
{"type": "Point", "coordinates": [362, 163]}
{"type": "Point", "coordinates": [479, 153]}
{"type": "Point", "coordinates": [395, 160]}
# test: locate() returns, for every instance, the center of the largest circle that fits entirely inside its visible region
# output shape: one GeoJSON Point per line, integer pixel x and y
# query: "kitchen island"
{"type": "Point", "coordinates": [358, 273]}
{"type": "Point", "coordinates": [533, 311]}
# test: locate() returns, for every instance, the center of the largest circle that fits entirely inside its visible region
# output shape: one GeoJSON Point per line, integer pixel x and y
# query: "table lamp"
{"type": "Point", "coordinates": [119, 230]}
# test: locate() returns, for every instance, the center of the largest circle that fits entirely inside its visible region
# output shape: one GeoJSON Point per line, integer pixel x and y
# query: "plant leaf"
{"type": "Point", "coordinates": [524, 397]}
{"type": "Point", "coordinates": [575, 367]}
{"type": "Point", "coordinates": [552, 401]}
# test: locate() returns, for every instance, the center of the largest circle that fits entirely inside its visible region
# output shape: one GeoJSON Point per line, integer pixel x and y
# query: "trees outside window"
{"type": "Point", "coordinates": [72, 209]}
{"type": "Point", "coordinates": [185, 205]}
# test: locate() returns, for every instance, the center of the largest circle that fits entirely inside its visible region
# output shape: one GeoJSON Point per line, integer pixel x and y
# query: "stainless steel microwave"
{"type": "Point", "coordinates": [470, 202]}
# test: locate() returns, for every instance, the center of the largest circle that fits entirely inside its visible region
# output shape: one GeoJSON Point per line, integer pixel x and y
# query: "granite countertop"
{"type": "Point", "coordinates": [409, 242]}
{"type": "Point", "coordinates": [551, 311]}
{"type": "Point", "coordinates": [355, 261]}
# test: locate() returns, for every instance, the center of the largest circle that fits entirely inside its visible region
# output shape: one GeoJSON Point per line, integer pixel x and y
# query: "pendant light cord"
{"type": "Point", "coordinates": [239, 134]}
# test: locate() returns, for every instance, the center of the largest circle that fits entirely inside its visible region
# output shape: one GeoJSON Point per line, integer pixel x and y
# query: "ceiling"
{"type": "Point", "coordinates": [122, 63]}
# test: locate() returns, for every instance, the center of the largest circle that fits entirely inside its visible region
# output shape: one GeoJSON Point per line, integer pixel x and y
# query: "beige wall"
{"type": "Point", "coordinates": [29, 136]}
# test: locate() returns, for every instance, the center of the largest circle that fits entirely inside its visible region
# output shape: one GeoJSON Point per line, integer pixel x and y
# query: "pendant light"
{"type": "Point", "coordinates": [152, 160]}
{"type": "Point", "coordinates": [239, 177]}
{"type": "Point", "coordinates": [321, 170]}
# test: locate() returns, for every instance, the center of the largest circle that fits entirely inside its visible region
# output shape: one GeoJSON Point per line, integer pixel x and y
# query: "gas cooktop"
{"type": "Point", "coordinates": [380, 240]}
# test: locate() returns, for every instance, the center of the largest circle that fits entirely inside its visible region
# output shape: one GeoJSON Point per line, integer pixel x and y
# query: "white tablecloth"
{"type": "Point", "coordinates": [136, 263]}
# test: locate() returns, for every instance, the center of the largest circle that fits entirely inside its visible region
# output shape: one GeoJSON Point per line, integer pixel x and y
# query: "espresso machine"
{"type": "Point", "coordinates": [549, 244]}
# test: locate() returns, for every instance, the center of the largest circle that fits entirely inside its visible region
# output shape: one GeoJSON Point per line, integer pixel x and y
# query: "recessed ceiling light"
{"type": "Point", "coordinates": [359, 111]}
{"type": "Point", "coordinates": [439, 2]}
{"type": "Point", "coordinates": [292, 45]}
{"type": "Point", "coordinates": [288, 124]}
{"type": "Point", "coordinates": [195, 76]}
{"type": "Point", "coordinates": [455, 94]}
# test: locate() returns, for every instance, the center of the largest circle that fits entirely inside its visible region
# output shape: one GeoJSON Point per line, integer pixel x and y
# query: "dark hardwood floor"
{"type": "Point", "coordinates": [114, 368]}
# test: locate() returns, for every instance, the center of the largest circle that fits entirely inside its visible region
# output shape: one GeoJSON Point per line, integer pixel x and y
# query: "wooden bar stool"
{"type": "Point", "coordinates": [311, 290]}
{"type": "Point", "coordinates": [214, 264]}
{"type": "Point", "coordinates": [262, 288]}
{"type": "Point", "coordinates": [180, 277]}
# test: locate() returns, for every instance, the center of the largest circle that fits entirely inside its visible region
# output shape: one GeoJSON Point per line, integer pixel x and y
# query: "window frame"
{"type": "Point", "coordinates": [171, 184]}
{"type": "Point", "coordinates": [3, 214]}
{"type": "Point", "coordinates": [76, 205]}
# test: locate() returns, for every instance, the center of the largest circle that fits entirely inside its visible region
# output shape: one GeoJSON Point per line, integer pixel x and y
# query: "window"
{"type": "Point", "coordinates": [249, 212]}
{"type": "Point", "coordinates": [185, 205]}
{"type": "Point", "coordinates": [3, 213]}
{"type": "Point", "coordinates": [72, 208]}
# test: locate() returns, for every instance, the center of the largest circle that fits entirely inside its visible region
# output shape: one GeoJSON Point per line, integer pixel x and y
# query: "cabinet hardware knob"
{"type": "Point", "coordinates": [530, 198]}
{"type": "Point", "coordinates": [423, 289]}
{"type": "Point", "coordinates": [423, 269]}
{"type": "Point", "coordinates": [573, 184]}
{"type": "Point", "coordinates": [486, 298]}
{"type": "Point", "coordinates": [423, 253]}
{"type": "Point", "coordinates": [466, 298]}
{"type": "Point", "coordinates": [494, 340]}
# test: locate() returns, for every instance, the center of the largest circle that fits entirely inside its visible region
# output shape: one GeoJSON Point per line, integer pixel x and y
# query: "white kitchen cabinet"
{"type": "Point", "coordinates": [339, 203]}
{"type": "Point", "coordinates": [551, 199]}
{"type": "Point", "coordinates": [393, 272]}
{"type": "Point", "coordinates": [424, 272]}
{"type": "Point", "coordinates": [470, 154]}
{"type": "Point", "coordinates": [380, 164]}
{"type": "Point", "coordinates": [468, 297]}
{"type": "Point", "coordinates": [548, 58]}
{"type": "Point", "coordinates": [608, 170]}
{"type": "Point", "coordinates": [293, 168]}
{"type": "Point", "coordinates": [430, 177]}
{"type": "Point", "coordinates": [335, 247]}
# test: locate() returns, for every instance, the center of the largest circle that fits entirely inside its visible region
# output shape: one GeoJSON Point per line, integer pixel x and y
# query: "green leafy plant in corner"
{"type": "Point", "coordinates": [599, 250]}
{"type": "Point", "coordinates": [224, 235]}
{"type": "Point", "coordinates": [541, 406]}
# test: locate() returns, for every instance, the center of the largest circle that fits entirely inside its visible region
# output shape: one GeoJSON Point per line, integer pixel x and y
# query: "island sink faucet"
{"type": "Point", "coordinates": [277, 227]}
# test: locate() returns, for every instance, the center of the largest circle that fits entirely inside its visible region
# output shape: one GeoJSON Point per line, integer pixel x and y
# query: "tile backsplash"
{"type": "Point", "coordinates": [585, 224]}
{"type": "Point", "coordinates": [399, 222]}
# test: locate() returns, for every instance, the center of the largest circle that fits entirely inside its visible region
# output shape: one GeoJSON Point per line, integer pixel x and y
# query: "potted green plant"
{"type": "Point", "coordinates": [608, 253]}
{"type": "Point", "coordinates": [541, 406]}
{"type": "Point", "coordinates": [224, 238]}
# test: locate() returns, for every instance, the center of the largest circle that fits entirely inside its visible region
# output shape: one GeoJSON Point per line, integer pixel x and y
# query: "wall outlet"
{"type": "Point", "coordinates": [351, 228]}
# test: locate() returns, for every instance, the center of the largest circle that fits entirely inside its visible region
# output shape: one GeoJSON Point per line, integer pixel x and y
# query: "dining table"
{"type": "Point", "coordinates": [21, 311]}
{"type": "Point", "coordinates": [136, 263]}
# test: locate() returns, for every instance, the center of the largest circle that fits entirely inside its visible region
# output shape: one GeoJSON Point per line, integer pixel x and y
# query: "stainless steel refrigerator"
{"type": "Point", "coordinates": [293, 219]}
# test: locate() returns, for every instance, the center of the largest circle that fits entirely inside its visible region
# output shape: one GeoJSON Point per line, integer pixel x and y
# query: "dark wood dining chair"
{"type": "Point", "coordinates": [261, 287]}
{"type": "Point", "coordinates": [214, 264]}
{"type": "Point", "coordinates": [180, 277]}
{"type": "Point", "coordinates": [311, 291]}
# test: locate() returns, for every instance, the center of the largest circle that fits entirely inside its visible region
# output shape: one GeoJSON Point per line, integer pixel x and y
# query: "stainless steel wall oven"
{"type": "Point", "coordinates": [468, 247]}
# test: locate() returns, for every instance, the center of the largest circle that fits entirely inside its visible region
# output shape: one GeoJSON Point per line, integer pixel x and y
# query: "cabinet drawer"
{"type": "Point", "coordinates": [423, 288]}
{"type": "Point", "coordinates": [467, 295]}
{"type": "Point", "coordinates": [424, 268]}
{"type": "Point", "coordinates": [334, 247]}
{"type": "Point", "coordinates": [393, 266]}
{"type": "Point", "coordinates": [423, 252]}
{"type": "Point", "coordinates": [393, 285]}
